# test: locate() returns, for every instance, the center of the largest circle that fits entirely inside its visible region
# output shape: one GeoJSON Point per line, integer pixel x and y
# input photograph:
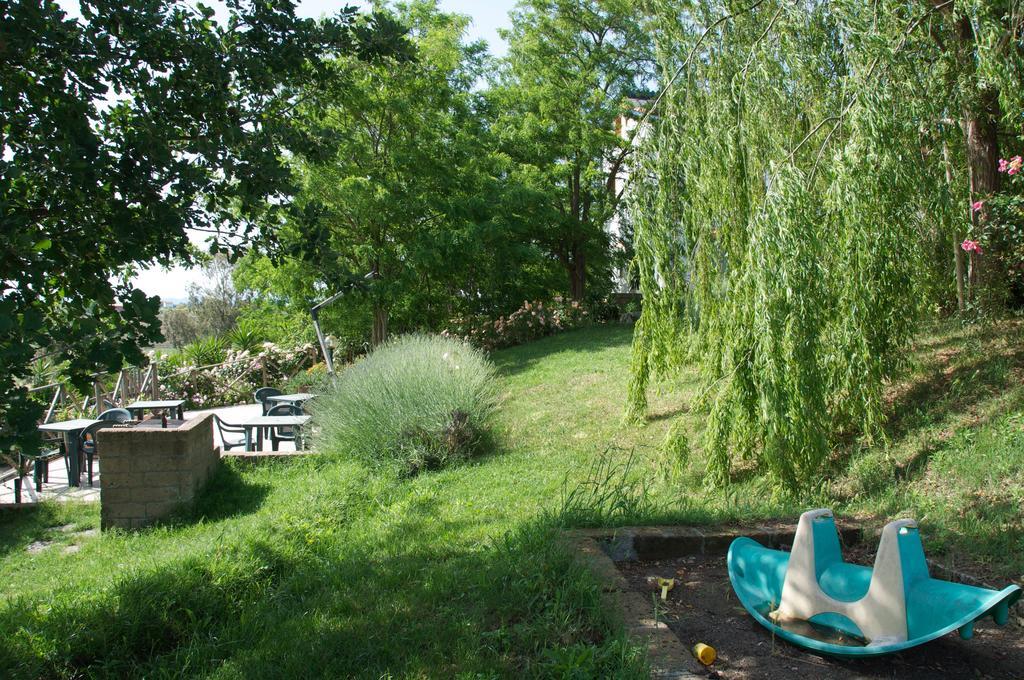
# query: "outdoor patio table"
{"type": "Point", "coordinates": [297, 399]}
{"type": "Point", "coordinates": [138, 408]}
{"type": "Point", "coordinates": [259, 423]}
{"type": "Point", "coordinates": [70, 430]}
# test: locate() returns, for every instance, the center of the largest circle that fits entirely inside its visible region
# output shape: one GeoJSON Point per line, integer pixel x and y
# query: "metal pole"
{"type": "Point", "coordinates": [328, 359]}
{"type": "Point", "coordinates": [314, 312]}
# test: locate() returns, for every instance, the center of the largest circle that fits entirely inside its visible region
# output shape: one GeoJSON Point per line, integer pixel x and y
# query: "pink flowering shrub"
{"type": "Point", "coordinates": [234, 380]}
{"type": "Point", "coordinates": [531, 321]}
{"type": "Point", "coordinates": [971, 246]}
{"type": "Point", "coordinates": [1001, 232]}
{"type": "Point", "coordinates": [1011, 167]}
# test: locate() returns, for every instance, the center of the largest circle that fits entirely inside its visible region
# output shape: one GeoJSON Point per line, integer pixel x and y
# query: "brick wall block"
{"type": "Point", "coordinates": [110, 495]}
{"type": "Point", "coordinates": [165, 478]}
{"type": "Point", "coordinates": [157, 509]}
{"type": "Point", "coordinates": [159, 460]}
{"type": "Point", "coordinates": [147, 474]}
{"type": "Point", "coordinates": [147, 494]}
{"type": "Point", "coordinates": [126, 510]}
{"type": "Point", "coordinates": [114, 464]}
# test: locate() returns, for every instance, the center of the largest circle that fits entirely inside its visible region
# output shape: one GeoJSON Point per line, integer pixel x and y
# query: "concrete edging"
{"type": "Point", "coordinates": [666, 653]}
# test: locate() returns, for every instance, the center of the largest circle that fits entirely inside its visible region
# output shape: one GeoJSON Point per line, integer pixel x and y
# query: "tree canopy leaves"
{"type": "Point", "coordinates": [121, 130]}
{"type": "Point", "coordinates": [572, 67]}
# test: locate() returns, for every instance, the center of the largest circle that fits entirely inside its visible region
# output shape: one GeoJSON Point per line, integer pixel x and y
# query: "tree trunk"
{"type": "Point", "coordinates": [576, 262]}
{"type": "Point", "coordinates": [577, 274]}
{"type": "Point", "coordinates": [380, 325]}
{"type": "Point", "coordinates": [981, 134]}
{"type": "Point", "coordinates": [981, 127]}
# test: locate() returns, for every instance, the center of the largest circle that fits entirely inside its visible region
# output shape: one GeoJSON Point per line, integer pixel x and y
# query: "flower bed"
{"type": "Point", "coordinates": [531, 321]}
{"type": "Point", "coordinates": [234, 380]}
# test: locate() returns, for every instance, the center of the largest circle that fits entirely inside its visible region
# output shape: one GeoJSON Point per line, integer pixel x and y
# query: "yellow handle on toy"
{"type": "Point", "coordinates": [704, 653]}
{"type": "Point", "coordinates": [666, 584]}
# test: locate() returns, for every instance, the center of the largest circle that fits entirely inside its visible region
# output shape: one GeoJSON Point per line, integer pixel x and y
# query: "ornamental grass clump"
{"type": "Point", "coordinates": [417, 403]}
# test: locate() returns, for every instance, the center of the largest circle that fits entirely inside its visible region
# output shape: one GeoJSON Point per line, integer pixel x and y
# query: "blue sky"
{"type": "Point", "coordinates": [487, 16]}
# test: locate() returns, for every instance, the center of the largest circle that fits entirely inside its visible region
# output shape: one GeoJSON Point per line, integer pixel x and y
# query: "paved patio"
{"type": "Point", "coordinates": [57, 488]}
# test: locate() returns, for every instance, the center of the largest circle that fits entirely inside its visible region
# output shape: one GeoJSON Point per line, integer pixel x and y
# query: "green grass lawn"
{"type": "Point", "coordinates": [325, 568]}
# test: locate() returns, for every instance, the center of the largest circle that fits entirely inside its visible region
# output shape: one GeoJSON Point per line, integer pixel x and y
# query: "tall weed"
{"type": "Point", "coordinates": [611, 494]}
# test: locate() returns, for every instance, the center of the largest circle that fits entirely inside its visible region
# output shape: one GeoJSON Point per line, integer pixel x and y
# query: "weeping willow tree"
{"type": "Point", "coordinates": [788, 206]}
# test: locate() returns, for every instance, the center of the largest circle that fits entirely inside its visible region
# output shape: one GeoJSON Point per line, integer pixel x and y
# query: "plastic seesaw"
{"type": "Point", "coordinates": [814, 599]}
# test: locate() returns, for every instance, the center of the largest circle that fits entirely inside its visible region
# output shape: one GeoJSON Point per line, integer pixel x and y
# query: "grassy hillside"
{"type": "Point", "coordinates": [325, 568]}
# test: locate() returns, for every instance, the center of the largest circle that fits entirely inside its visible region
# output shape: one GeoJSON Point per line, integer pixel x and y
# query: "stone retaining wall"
{"type": "Point", "coordinates": [148, 473]}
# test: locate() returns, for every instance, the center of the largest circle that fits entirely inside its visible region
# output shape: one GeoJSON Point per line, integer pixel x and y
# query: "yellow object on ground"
{"type": "Point", "coordinates": [704, 653]}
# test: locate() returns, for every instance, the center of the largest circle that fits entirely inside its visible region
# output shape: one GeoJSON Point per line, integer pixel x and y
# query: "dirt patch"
{"type": "Point", "coordinates": [703, 608]}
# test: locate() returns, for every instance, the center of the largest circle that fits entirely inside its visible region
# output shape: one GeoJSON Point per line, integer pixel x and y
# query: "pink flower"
{"type": "Point", "coordinates": [977, 205]}
{"type": "Point", "coordinates": [1003, 164]}
{"type": "Point", "coordinates": [971, 246]}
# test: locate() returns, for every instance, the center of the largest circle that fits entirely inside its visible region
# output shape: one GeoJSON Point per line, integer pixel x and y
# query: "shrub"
{"type": "Point", "coordinates": [1001, 233]}
{"type": "Point", "coordinates": [417, 403]}
{"type": "Point", "coordinates": [233, 380]}
{"type": "Point", "coordinates": [247, 336]}
{"type": "Point", "coordinates": [278, 323]}
{"type": "Point", "coordinates": [314, 379]}
{"type": "Point", "coordinates": [531, 321]}
{"type": "Point", "coordinates": [207, 351]}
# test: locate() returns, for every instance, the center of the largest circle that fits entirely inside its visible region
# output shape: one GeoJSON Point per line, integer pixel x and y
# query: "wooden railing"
{"type": "Point", "coordinates": [132, 383]}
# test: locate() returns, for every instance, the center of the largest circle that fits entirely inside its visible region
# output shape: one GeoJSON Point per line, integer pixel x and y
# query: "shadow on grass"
{"type": "Point", "coordinates": [964, 373]}
{"type": "Point", "coordinates": [36, 521]}
{"type": "Point", "coordinates": [514, 360]}
{"type": "Point", "coordinates": [406, 599]}
{"type": "Point", "coordinates": [227, 494]}
{"type": "Point", "coordinates": [416, 604]}
{"type": "Point", "coordinates": [669, 414]}
{"type": "Point", "coordinates": [946, 391]}
{"type": "Point", "coordinates": [156, 617]}
{"type": "Point", "coordinates": [976, 532]}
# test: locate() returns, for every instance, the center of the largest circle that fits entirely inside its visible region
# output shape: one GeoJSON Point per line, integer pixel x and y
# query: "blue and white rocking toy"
{"type": "Point", "coordinates": [814, 599]}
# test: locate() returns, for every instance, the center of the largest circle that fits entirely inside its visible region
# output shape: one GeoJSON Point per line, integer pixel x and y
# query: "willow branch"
{"type": "Point", "coordinates": [675, 76]}
{"type": "Point", "coordinates": [767, 30]}
{"type": "Point", "coordinates": [846, 109]}
{"type": "Point", "coordinates": [689, 57]}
